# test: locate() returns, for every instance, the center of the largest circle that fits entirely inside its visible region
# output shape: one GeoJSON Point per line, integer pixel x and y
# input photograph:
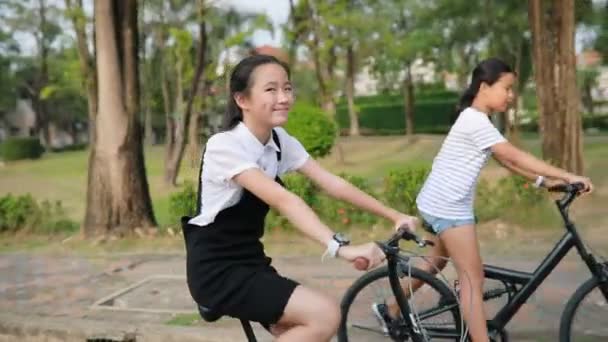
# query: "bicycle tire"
{"type": "Point", "coordinates": [574, 303]}
{"type": "Point", "coordinates": [447, 297]}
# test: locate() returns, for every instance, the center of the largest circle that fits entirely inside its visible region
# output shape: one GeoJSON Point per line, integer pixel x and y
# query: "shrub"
{"type": "Point", "coordinates": [25, 213]}
{"type": "Point", "coordinates": [21, 148]}
{"type": "Point", "coordinates": [183, 203]}
{"type": "Point", "coordinates": [514, 199]}
{"type": "Point", "coordinates": [331, 211]}
{"type": "Point", "coordinates": [401, 186]}
{"type": "Point", "coordinates": [302, 187]}
{"type": "Point", "coordinates": [69, 148]}
{"type": "Point", "coordinates": [344, 215]}
{"type": "Point", "coordinates": [313, 128]}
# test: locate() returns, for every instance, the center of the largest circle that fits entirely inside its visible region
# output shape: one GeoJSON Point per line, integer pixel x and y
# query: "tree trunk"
{"type": "Point", "coordinates": [512, 117]}
{"type": "Point", "coordinates": [42, 129]}
{"type": "Point", "coordinates": [350, 91]}
{"type": "Point", "coordinates": [178, 128]}
{"type": "Point", "coordinates": [572, 145]}
{"type": "Point", "coordinates": [408, 102]}
{"type": "Point", "coordinates": [555, 74]}
{"type": "Point", "coordinates": [86, 65]}
{"type": "Point", "coordinates": [118, 199]}
{"type": "Point", "coordinates": [176, 154]}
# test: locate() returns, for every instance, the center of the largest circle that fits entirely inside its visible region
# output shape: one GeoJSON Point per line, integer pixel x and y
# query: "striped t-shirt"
{"type": "Point", "coordinates": [449, 190]}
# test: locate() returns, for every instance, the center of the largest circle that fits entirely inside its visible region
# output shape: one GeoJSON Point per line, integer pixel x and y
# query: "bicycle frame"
{"type": "Point", "coordinates": [528, 282]}
{"type": "Point", "coordinates": [391, 249]}
{"type": "Point", "coordinates": [531, 281]}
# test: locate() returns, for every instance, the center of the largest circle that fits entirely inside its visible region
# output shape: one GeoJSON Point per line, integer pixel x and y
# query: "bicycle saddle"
{"type": "Point", "coordinates": [208, 315]}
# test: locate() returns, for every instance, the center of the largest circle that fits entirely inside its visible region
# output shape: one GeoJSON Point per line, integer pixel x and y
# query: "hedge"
{"type": "Point", "coordinates": [429, 117]}
{"type": "Point", "coordinates": [21, 148]}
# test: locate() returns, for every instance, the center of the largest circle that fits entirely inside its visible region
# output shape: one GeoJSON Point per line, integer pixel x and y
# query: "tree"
{"type": "Point", "coordinates": [403, 37]}
{"type": "Point", "coordinates": [118, 199]}
{"type": "Point", "coordinates": [508, 38]}
{"type": "Point", "coordinates": [8, 83]}
{"type": "Point", "coordinates": [32, 17]}
{"type": "Point", "coordinates": [188, 64]}
{"type": "Point", "coordinates": [553, 25]}
{"type": "Point", "coordinates": [76, 14]}
{"type": "Point", "coordinates": [312, 26]}
{"type": "Point", "coordinates": [601, 43]}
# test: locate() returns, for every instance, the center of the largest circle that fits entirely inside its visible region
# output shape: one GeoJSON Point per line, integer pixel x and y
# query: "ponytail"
{"type": "Point", "coordinates": [233, 115]}
{"type": "Point", "coordinates": [466, 100]}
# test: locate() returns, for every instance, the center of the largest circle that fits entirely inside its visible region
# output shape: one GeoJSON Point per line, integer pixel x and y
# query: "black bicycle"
{"type": "Point", "coordinates": [432, 312]}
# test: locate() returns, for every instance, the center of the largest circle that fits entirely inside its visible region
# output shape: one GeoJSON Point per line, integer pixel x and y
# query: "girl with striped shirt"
{"type": "Point", "coordinates": [447, 196]}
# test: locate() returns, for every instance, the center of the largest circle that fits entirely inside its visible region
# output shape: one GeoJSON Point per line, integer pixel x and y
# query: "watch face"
{"type": "Point", "coordinates": [342, 239]}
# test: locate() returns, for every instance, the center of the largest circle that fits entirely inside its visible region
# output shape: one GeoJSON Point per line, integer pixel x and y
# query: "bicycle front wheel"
{"type": "Point", "coordinates": [585, 318]}
{"type": "Point", "coordinates": [434, 306]}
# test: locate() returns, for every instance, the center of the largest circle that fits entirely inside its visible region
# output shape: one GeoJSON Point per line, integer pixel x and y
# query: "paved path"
{"type": "Point", "coordinates": [60, 298]}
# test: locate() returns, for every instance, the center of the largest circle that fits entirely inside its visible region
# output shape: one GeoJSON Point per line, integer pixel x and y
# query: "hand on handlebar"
{"type": "Point", "coordinates": [580, 179]}
{"type": "Point", "coordinates": [369, 251]}
{"type": "Point", "coordinates": [411, 222]}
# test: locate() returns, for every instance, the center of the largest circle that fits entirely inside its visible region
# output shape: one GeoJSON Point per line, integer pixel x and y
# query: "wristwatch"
{"type": "Point", "coordinates": [539, 181]}
{"type": "Point", "coordinates": [337, 241]}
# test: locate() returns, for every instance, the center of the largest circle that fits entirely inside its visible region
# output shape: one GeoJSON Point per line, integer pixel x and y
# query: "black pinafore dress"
{"type": "Point", "coordinates": [227, 269]}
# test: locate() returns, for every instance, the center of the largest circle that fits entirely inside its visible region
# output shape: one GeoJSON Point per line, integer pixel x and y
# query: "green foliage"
{"type": "Point", "coordinates": [21, 148]}
{"type": "Point", "coordinates": [344, 215]}
{"type": "Point", "coordinates": [183, 203]}
{"type": "Point", "coordinates": [313, 128]}
{"type": "Point", "coordinates": [19, 213]}
{"type": "Point", "coordinates": [512, 199]}
{"type": "Point", "coordinates": [330, 210]}
{"type": "Point", "coordinates": [401, 186]}
{"type": "Point", "coordinates": [300, 186]}
{"type": "Point", "coordinates": [601, 42]}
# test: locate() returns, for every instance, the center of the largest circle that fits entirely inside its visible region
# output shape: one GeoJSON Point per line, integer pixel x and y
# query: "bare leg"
{"type": "Point", "coordinates": [462, 246]}
{"type": "Point", "coordinates": [308, 316]}
{"type": "Point", "coordinates": [434, 263]}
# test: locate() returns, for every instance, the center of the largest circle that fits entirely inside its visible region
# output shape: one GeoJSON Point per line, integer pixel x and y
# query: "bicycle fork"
{"type": "Point", "coordinates": [413, 330]}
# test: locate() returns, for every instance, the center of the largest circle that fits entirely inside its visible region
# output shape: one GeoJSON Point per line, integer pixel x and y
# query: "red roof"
{"type": "Point", "coordinates": [272, 51]}
{"type": "Point", "coordinates": [589, 58]}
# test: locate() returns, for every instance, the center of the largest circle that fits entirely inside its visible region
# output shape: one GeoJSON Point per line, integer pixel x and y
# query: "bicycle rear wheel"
{"type": "Point", "coordinates": [434, 303]}
{"type": "Point", "coordinates": [585, 318]}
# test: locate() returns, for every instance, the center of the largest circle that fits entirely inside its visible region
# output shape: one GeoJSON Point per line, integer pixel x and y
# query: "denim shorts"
{"type": "Point", "coordinates": [437, 225]}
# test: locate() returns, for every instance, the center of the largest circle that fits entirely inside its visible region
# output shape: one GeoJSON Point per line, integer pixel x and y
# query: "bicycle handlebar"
{"type": "Point", "coordinates": [571, 191]}
{"type": "Point", "coordinates": [404, 233]}
{"type": "Point", "coordinates": [574, 188]}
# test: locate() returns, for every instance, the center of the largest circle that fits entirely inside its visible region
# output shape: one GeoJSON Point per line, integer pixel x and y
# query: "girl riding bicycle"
{"type": "Point", "coordinates": [446, 200]}
{"type": "Point", "coordinates": [227, 269]}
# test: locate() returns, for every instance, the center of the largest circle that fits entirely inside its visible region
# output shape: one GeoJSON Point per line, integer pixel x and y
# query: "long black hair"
{"type": "Point", "coordinates": [487, 71]}
{"type": "Point", "coordinates": [241, 81]}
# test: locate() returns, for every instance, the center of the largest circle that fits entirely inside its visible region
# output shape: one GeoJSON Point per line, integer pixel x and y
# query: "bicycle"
{"type": "Point", "coordinates": [518, 288]}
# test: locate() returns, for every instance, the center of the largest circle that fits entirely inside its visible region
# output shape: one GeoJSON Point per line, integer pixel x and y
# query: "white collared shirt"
{"type": "Point", "coordinates": [229, 153]}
